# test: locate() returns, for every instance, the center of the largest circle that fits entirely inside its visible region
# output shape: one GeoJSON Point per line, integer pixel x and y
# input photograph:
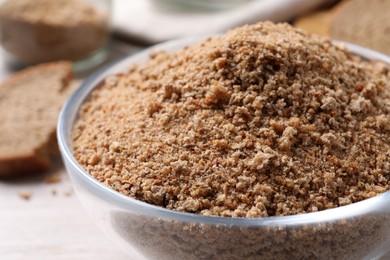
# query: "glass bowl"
{"type": "Point", "coordinates": [357, 231]}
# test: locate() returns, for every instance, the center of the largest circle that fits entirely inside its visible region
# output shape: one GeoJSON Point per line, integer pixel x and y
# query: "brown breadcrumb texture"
{"type": "Point", "coordinates": [264, 121]}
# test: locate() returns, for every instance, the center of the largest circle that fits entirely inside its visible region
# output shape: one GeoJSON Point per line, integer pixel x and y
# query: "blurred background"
{"type": "Point", "coordinates": [91, 33]}
{"type": "Point", "coordinates": [40, 217]}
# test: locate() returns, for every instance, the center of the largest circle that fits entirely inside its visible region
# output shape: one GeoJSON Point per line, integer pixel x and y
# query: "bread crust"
{"type": "Point", "coordinates": [66, 65]}
{"type": "Point", "coordinates": [23, 165]}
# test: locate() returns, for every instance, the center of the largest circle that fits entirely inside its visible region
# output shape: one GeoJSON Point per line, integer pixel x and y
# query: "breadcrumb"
{"type": "Point", "coordinates": [25, 195]}
{"type": "Point", "coordinates": [264, 121]}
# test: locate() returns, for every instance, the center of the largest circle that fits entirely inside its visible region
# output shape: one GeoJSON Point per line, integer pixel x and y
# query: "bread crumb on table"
{"type": "Point", "coordinates": [25, 195]}
{"type": "Point", "coordinates": [53, 178]}
{"type": "Point", "coordinates": [264, 121]}
{"type": "Point", "coordinates": [69, 192]}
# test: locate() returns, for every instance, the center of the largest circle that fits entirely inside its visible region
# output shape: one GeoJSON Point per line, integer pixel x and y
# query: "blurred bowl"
{"type": "Point", "coordinates": [357, 231]}
{"type": "Point", "coordinates": [33, 32]}
{"type": "Point", "coordinates": [198, 5]}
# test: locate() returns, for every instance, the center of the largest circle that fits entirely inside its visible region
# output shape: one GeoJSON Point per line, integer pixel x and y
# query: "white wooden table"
{"type": "Point", "coordinates": [48, 226]}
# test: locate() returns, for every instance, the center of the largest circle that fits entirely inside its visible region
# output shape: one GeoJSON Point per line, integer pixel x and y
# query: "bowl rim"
{"type": "Point", "coordinates": [68, 116]}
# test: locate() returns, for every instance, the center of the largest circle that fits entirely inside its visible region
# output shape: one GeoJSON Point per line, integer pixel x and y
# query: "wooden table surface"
{"type": "Point", "coordinates": [49, 226]}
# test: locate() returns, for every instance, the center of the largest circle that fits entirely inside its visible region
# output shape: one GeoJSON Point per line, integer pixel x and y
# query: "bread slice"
{"type": "Point", "coordinates": [30, 102]}
{"type": "Point", "coordinates": [315, 23]}
{"type": "Point", "coordinates": [363, 22]}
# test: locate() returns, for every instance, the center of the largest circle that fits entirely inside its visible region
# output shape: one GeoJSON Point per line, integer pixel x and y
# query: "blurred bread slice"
{"type": "Point", "coordinates": [30, 102]}
{"type": "Point", "coordinates": [363, 22]}
{"type": "Point", "coordinates": [315, 23]}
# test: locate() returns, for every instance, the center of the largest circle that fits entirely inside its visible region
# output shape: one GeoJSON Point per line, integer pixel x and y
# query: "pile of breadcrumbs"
{"type": "Point", "coordinates": [264, 121]}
